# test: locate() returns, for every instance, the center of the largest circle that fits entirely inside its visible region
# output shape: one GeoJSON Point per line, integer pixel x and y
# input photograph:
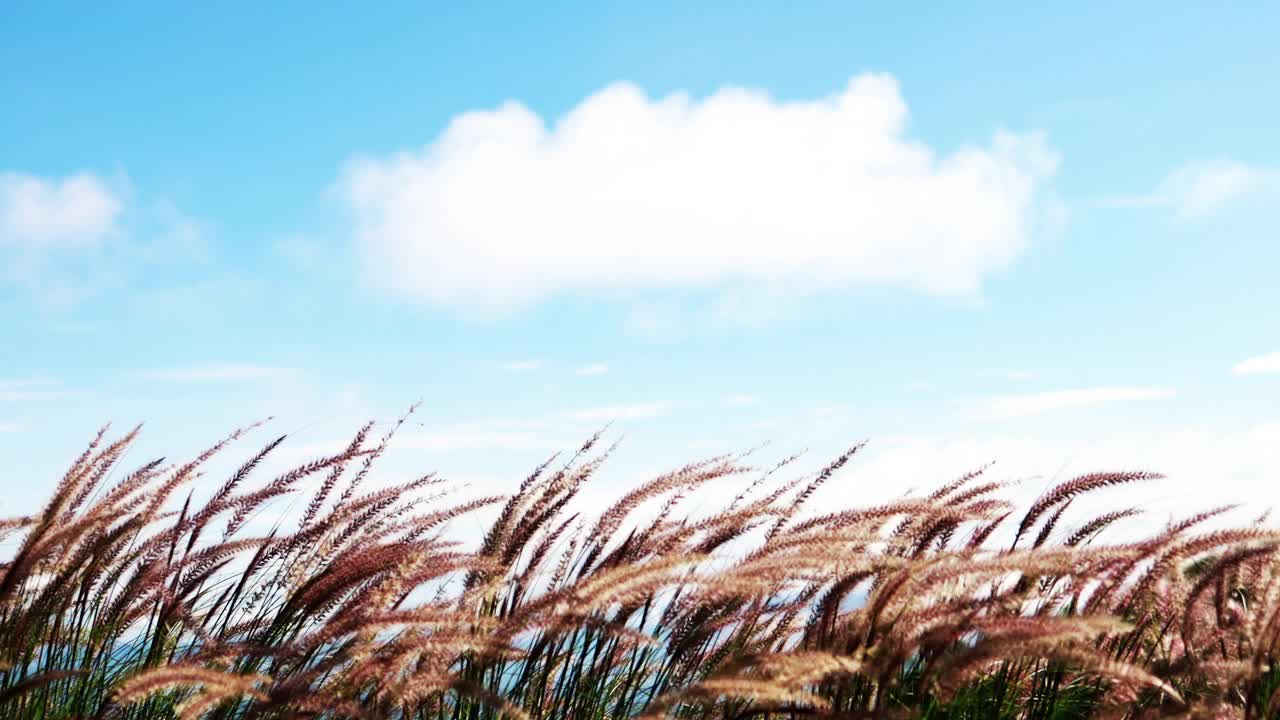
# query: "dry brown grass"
{"type": "Point", "coordinates": [130, 600]}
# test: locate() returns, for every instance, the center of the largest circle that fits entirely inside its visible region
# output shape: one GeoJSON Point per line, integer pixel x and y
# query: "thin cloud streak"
{"type": "Point", "coordinates": [216, 373]}
{"type": "Point", "coordinates": [1199, 189]}
{"type": "Point", "coordinates": [618, 412]}
{"type": "Point", "coordinates": [1003, 407]}
{"type": "Point", "coordinates": [1258, 365]}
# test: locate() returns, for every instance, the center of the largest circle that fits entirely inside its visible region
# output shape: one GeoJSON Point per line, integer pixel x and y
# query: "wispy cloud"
{"type": "Point", "coordinates": [40, 213]}
{"type": "Point", "coordinates": [592, 369]}
{"type": "Point", "coordinates": [1014, 406]}
{"type": "Point", "coordinates": [11, 428]}
{"type": "Point", "coordinates": [545, 432]}
{"type": "Point", "coordinates": [216, 373]}
{"type": "Point", "coordinates": [67, 238]}
{"type": "Point", "coordinates": [448, 437]}
{"type": "Point", "coordinates": [1198, 189]}
{"type": "Point", "coordinates": [740, 400]}
{"type": "Point", "coordinates": [618, 412]}
{"type": "Point", "coordinates": [1259, 365]}
{"type": "Point", "coordinates": [522, 366]}
{"type": "Point", "coordinates": [23, 388]}
{"type": "Point", "coordinates": [21, 383]}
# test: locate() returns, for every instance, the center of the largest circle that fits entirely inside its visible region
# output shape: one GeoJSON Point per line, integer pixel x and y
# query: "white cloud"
{"type": "Point", "coordinates": [1198, 189]}
{"type": "Point", "coordinates": [216, 373]}
{"type": "Point", "coordinates": [631, 192]}
{"type": "Point", "coordinates": [522, 366]}
{"type": "Point", "coordinates": [740, 400]}
{"type": "Point", "coordinates": [38, 213]}
{"type": "Point", "coordinates": [1013, 406]}
{"type": "Point", "coordinates": [11, 428]}
{"type": "Point", "coordinates": [592, 369]}
{"type": "Point", "coordinates": [618, 412]}
{"type": "Point", "coordinates": [1262, 364]}
{"type": "Point", "coordinates": [67, 238]}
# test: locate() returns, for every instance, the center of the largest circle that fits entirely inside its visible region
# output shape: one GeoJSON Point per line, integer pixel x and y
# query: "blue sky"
{"type": "Point", "coordinates": [1043, 236]}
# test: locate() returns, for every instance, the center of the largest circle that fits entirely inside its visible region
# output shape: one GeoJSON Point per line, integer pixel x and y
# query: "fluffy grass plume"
{"type": "Point", "coordinates": [127, 598]}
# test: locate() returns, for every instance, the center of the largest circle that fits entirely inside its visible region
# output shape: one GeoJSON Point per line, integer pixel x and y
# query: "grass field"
{"type": "Point", "coordinates": [126, 598]}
